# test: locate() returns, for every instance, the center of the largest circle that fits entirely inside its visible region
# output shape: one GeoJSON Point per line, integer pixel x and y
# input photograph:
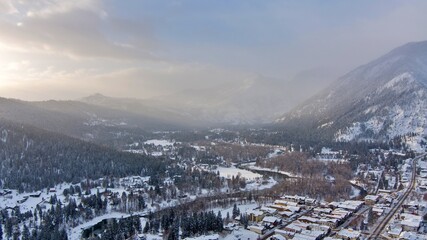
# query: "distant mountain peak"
{"type": "Point", "coordinates": [95, 96]}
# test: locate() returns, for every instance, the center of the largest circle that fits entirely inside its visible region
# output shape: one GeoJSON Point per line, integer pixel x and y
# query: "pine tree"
{"type": "Point", "coordinates": [1, 232]}
{"type": "Point", "coordinates": [8, 227]}
{"type": "Point", "coordinates": [146, 227]}
{"type": "Point", "coordinates": [16, 233]}
{"type": "Point", "coordinates": [25, 233]}
{"type": "Point", "coordinates": [236, 211]}
{"type": "Point", "coordinates": [219, 222]}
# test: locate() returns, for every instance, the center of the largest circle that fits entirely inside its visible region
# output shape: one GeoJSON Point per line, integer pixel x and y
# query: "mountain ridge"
{"type": "Point", "coordinates": [390, 90]}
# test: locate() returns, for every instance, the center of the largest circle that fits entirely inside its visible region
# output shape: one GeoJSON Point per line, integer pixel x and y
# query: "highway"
{"type": "Point", "coordinates": [376, 234]}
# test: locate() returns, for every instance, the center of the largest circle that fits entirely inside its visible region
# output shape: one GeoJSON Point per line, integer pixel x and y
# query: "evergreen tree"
{"type": "Point", "coordinates": [236, 211]}
{"type": "Point", "coordinates": [174, 234]}
{"type": "Point", "coordinates": [146, 227]}
{"type": "Point", "coordinates": [16, 233]}
{"type": "Point", "coordinates": [8, 227]}
{"type": "Point", "coordinates": [25, 233]}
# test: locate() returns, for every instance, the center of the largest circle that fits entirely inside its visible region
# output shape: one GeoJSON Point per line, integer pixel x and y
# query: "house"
{"type": "Point", "coordinates": [296, 199]}
{"type": "Point", "coordinates": [306, 219]}
{"type": "Point", "coordinates": [287, 214]}
{"type": "Point", "coordinates": [411, 235]}
{"type": "Point", "coordinates": [285, 203]}
{"type": "Point", "coordinates": [395, 232]}
{"type": "Point", "coordinates": [330, 222]}
{"type": "Point", "coordinates": [5, 192]}
{"type": "Point", "coordinates": [22, 200]}
{"type": "Point", "coordinates": [349, 234]}
{"type": "Point", "coordinates": [314, 233]}
{"type": "Point", "coordinates": [300, 236]}
{"type": "Point", "coordinates": [257, 229]}
{"type": "Point", "coordinates": [278, 207]}
{"type": "Point", "coordinates": [293, 228]}
{"type": "Point", "coordinates": [255, 215]}
{"type": "Point", "coordinates": [36, 194]}
{"type": "Point", "coordinates": [277, 237]}
{"type": "Point", "coordinates": [378, 211]}
{"type": "Point", "coordinates": [271, 221]}
{"type": "Point", "coordinates": [269, 210]}
{"type": "Point", "coordinates": [351, 205]}
{"type": "Point", "coordinates": [210, 237]}
{"type": "Point", "coordinates": [371, 199]}
{"type": "Point", "coordinates": [410, 222]}
{"type": "Point", "coordinates": [322, 210]}
{"type": "Point", "coordinates": [231, 226]}
{"type": "Point", "coordinates": [310, 201]}
{"type": "Point", "coordinates": [284, 233]}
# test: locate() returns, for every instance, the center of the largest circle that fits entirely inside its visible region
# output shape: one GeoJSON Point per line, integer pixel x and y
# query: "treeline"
{"type": "Point", "coordinates": [319, 179]}
{"type": "Point", "coordinates": [44, 225]}
{"type": "Point", "coordinates": [124, 228]}
{"type": "Point", "coordinates": [32, 159]}
{"type": "Point", "coordinates": [190, 224]}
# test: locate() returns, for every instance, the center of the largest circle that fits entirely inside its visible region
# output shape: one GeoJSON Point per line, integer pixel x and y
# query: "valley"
{"type": "Point", "coordinates": [213, 120]}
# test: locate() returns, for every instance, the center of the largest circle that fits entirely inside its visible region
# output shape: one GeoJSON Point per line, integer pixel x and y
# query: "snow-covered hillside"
{"type": "Point", "coordinates": [381, 100]}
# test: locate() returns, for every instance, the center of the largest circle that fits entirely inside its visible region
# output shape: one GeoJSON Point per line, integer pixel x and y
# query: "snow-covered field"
{"type": "Point", "coordinates": [233, 171]}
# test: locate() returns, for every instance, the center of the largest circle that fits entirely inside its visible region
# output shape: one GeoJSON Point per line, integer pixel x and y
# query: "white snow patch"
{"type": "Point", "coordinates": [398, 83]}
{"type": "Point", "coordinates": [160, 142]}
{"type": "Point", "coordinates": [233, 171]}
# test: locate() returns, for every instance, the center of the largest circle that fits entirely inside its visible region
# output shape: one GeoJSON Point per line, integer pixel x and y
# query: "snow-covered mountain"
{"type": "Point", "coordinates": [382, 99]}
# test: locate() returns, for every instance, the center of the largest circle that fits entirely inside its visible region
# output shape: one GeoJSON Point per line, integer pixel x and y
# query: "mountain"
{"type": "Point", "coordinates": [247, 101]}
{"type": "Point", "coordinates": [149, 109]}
{"type": "Point", "coordinates": [77, 119]}
{"type": "Point", "coordinates": [380, 100]}
{"type": "Point", "coordinates": [32, 159]}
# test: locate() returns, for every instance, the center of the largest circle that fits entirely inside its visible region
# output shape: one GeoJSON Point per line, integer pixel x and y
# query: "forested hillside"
{"type": "Point", "coordinates": [31, 159]}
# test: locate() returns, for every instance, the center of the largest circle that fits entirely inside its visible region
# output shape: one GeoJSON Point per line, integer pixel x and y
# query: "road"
{"type": "Point", "coordinates": [384, 222]}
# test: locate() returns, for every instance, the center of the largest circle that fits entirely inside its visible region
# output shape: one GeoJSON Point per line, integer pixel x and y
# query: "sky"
{"type": "Point", "coordinates": [67, 49]}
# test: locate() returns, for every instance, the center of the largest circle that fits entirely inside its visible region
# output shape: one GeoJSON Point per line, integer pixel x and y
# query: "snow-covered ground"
{"type": "Point", "coordinates": [403, 118]}
{"type": "Point", "coordinates": [242, 207]}
{"type": "Point", "coordinates": [233, 171]}
{"type": "Point", "coordinates": [355, 192]}
{"type": "Point", "coordinates": [76, 232]}
{"type": "Point", "coordinates": [159, 142]}
{"type": "Point", "coordinates": [11, 200]}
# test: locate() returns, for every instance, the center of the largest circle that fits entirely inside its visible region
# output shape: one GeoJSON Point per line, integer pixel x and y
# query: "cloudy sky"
{"type": "Point", "coordinates": [66, 49]}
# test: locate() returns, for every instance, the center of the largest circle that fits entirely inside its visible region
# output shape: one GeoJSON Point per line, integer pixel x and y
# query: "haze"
{"type": "Point", "coordinates": [58, 49]}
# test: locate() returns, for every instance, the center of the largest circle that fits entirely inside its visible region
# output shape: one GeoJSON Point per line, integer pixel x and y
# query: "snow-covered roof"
{"type": "Point", "coordinates": [349, 233]}
{"type": "Point", "coordinates": [277, 237]}
{"type": "Point", "coordinates": [270, 219]}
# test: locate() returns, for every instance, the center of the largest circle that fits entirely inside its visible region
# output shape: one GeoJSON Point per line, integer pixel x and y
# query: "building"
{"type": "Point", "coordinates": [271, 221]}
{"type": "Point", "coordinates": [257, 229]}
{"type": "Point", "coordinates": [349, 234]}
{"type": "Point", "coordinates": [371, 199]}
{"type": "Point", "coordinates": [255, 215]}
{"type": "Point", "coordinates": [410, 222]}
